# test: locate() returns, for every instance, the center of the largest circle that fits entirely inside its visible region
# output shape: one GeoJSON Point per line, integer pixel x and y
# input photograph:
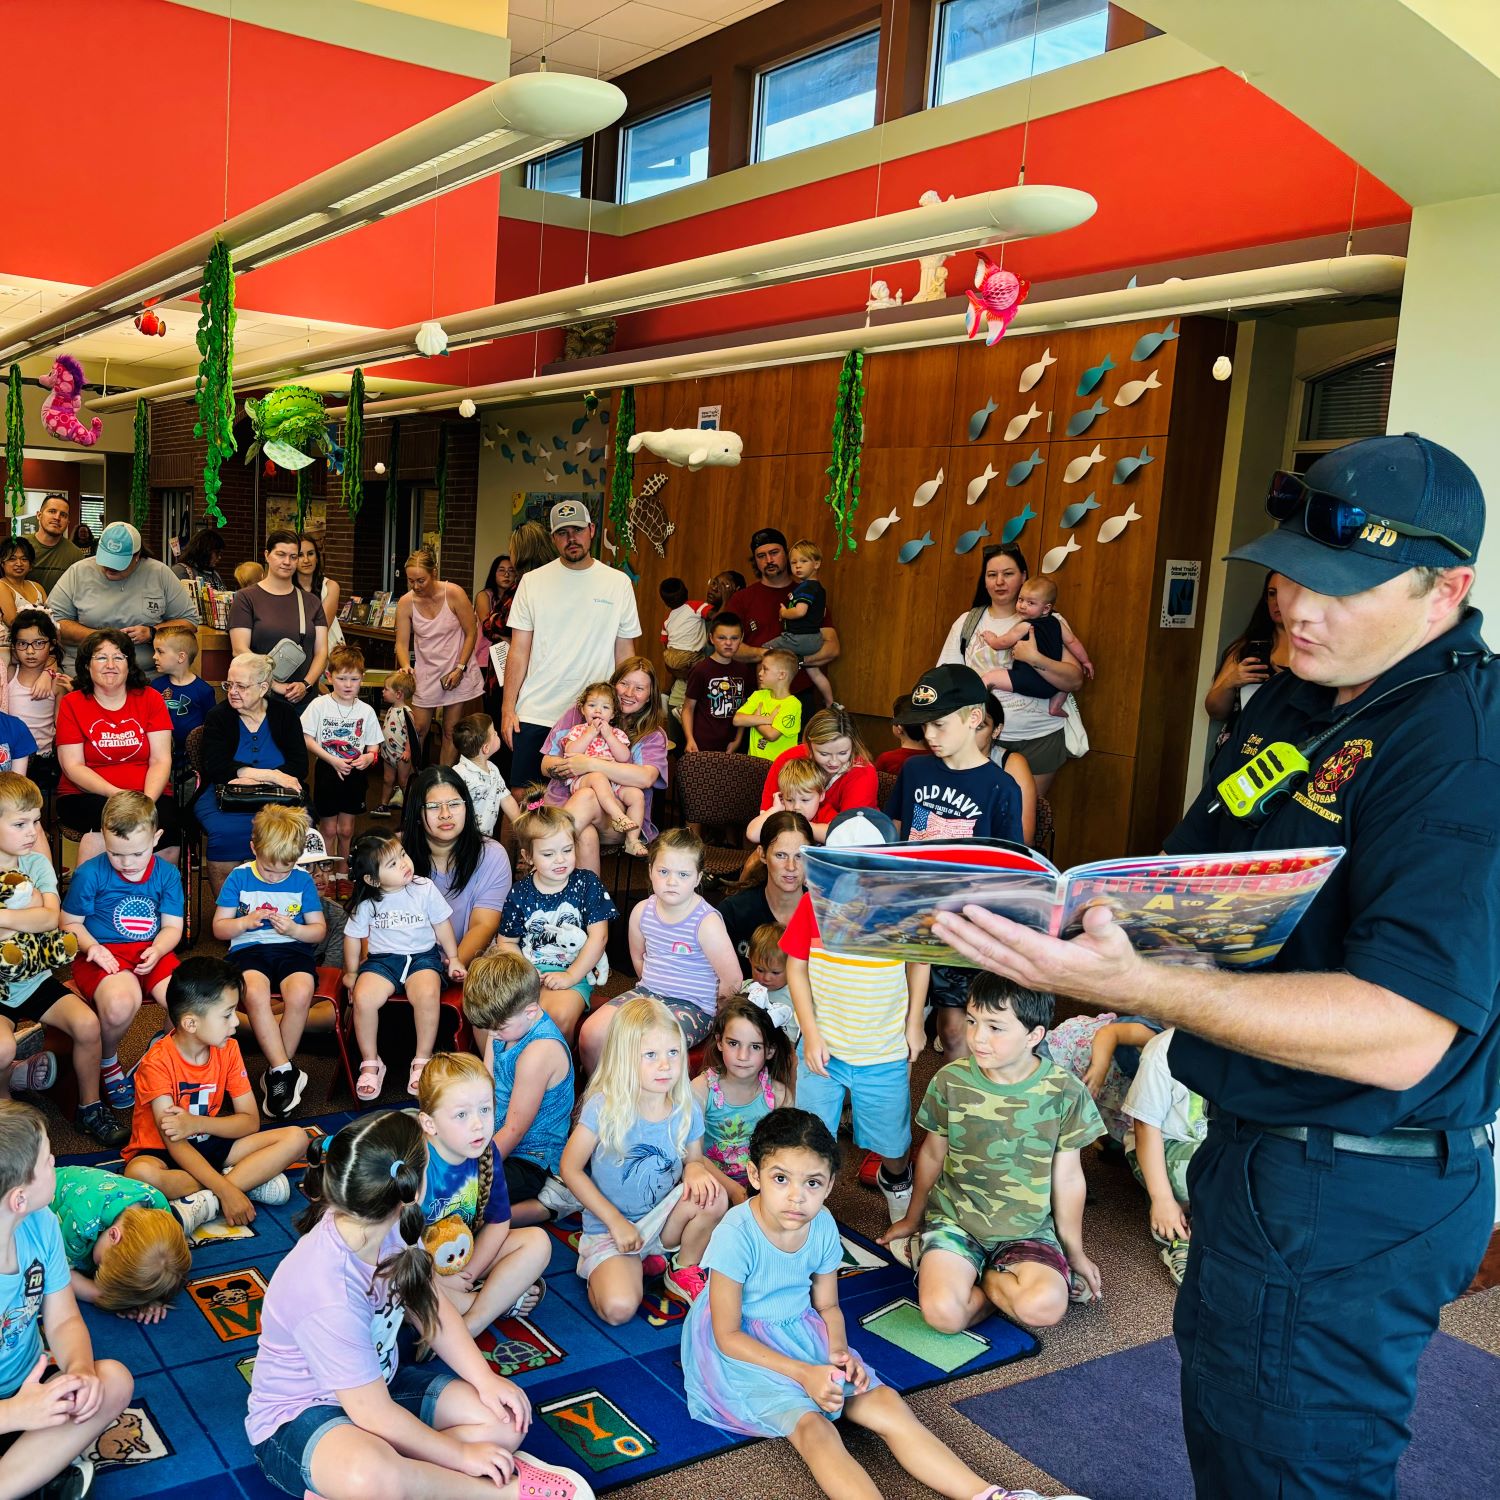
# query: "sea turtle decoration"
{"type": "Point", "coordinates": [291, 427]}
{"type": "Point", "coordinates": [648, 518]}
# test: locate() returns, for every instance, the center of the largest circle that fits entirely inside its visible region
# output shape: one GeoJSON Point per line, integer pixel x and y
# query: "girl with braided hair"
{"type": "Point", "coordinates": [330, 1411]}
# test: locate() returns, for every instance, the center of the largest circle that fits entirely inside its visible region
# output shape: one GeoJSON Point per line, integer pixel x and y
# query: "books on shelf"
{"type": "Point", "coordinates": [1233, 910]}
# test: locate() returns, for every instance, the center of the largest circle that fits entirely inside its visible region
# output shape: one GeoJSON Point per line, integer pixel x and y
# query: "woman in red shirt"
{"type": "Point", "coordinates": [113, 735]}
{"type": "Point", "coordinates": [833, 744]}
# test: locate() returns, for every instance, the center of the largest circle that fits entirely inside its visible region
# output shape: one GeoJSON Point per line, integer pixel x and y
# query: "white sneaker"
{"type": "Point", "coordinates": [196, 1210]}
{"type": "Point", "coordinates": [277, 1190]}
{"type": "Point", "coordinates": [897, 1199]}
{"type": "Point", "coordinates": [555, 1195]}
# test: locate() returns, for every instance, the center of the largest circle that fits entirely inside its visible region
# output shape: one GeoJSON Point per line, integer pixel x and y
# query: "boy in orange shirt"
{"type": "Point", "coordinates": [183, 1139]}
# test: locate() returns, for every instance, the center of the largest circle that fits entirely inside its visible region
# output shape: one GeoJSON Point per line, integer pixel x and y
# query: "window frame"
{"type": "Point", "coordinates": [537, 165]}
{"type": "Point", "coordinates": [935, 58]}
{"type": "Point", "coordinates": [791, 59]}
{"type": "Point", "coordinates": [622, 147]}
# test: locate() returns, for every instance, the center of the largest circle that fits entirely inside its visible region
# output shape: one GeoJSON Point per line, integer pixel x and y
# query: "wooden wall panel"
{"type": "Point", "coordinates": [754, 403]}
{"type": "Point", "coordinates": [814, 389]}
{"type": "Point", "coordinates": [1087, 348]}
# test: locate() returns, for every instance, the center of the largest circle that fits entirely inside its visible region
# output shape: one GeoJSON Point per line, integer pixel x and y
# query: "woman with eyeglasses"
{"type": "Point", "coordinates": [113, 735]}
{"type": "Point", "coordinates": [1247, 663]}
{"type": "Point", "coordinates": [18, 590]}
{"type": "Point", "coordinates": [277, 619]}
{"type": "Point", "coordinates": [253, 736]}
{"type": "Point", "coordinates": [33, 685]}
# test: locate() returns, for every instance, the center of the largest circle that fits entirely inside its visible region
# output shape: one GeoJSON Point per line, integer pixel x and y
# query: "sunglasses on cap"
{"type": "Point", "coordinates": [1335, 522]}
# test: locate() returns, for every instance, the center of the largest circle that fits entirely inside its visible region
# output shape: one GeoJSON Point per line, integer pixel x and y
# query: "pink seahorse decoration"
{"type": "Point", "coordinates": [64, 382]}
{"type": "Point", "coordinates": [996, 298]}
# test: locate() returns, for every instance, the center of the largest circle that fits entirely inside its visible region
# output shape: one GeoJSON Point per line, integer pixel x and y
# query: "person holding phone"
{"type": "Point", "coordinates": [1257, 655]}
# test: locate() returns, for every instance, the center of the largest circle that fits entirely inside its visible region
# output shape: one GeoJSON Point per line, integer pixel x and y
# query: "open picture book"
{"type": "Point", "coordinates": [1233, 910]}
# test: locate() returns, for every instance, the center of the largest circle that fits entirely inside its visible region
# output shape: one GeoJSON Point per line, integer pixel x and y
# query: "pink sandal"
{"type": "Point", "coordinates": [371, 1081]}
{"type": "Point", "coordinates": [414, 1078]}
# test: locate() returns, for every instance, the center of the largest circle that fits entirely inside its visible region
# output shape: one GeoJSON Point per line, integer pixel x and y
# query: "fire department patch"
{"type": "Point", "coordinates": [1338, 770]}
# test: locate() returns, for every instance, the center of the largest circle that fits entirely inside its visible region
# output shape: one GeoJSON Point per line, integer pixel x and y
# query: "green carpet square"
{"type": "Point", "coordinates": [901, 1323]}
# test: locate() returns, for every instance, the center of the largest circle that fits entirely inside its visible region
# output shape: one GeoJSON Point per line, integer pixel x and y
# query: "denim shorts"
{"type": "Point", "coordinates": [879, 1096]}
{"type": "Point", "coordinates": [584, 986]}
{"type": "Point", "coordinates": [285, 1458]}
{"type": "Point", "coordinates": [399, 967]}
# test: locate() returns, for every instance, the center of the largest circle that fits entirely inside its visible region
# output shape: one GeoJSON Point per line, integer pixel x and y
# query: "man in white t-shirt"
{"type": "Point", "coordinates": [571, 623]}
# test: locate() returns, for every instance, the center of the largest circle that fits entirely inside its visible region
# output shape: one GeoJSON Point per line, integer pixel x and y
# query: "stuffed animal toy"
{"type": "Point", "coordinates": [450, 1243]}
{"type": "Point", "coordinates": [23, 955]}
{"type": "Point", "coordinates": [64, 382]}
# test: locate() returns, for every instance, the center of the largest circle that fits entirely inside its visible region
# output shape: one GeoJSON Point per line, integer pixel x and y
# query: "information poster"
{"type": "Point", "coordinates": [1179, 594]}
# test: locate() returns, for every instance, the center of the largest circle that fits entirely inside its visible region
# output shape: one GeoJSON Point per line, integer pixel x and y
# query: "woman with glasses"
{"type": "Point", "coordinates": [253, 736]}
{"type": "Point", "coordinates": [277, 619]}
{"type": "Point", "coordinates": [33, 685]}
{"type": "Point", "coordinates": [113, 735]}
{"type": "Point", "coordinates": [18, 591]}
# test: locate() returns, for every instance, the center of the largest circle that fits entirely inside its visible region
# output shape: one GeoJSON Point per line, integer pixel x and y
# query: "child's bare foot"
{"type": "Point", "coordinates": [1058, 707]}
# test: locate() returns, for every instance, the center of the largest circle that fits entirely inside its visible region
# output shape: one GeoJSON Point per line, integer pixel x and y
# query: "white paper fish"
{"type": "Point", "coordinates": [1034, 372]}
{"type": "Point", "coordinates": [1019, 424]}
{"type": "Point", "coordinates": [549, 476]}
{"type": "Point", "coordinates": [979, 484]}
{"type": "Point", "coordinates": [1081, 465]}
{"type": "Point", "coordinates": [581, 446]}
{"type": "Point", "coordinates": [926, 490]}
{"type": "Point", "coordinates": [1133, 390]}
{"type": "Point", "coordinates": [1059, 555]}
{"type": "Point", "coordinates": [1111, 528]}
{"type": "Point", "coordinates": [880, 526]}
{"type": "Point", "coordinates": [503, 432]}
{"type": "Point", "coordinates": [691, 447]}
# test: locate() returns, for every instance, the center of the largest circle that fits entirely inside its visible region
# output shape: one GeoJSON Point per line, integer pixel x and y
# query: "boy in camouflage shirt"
{"type": "Point", "coordinates": [999, 1175]}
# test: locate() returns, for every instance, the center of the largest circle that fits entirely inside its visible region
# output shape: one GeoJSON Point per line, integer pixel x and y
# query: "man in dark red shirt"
{"type": "Point", "coordinates": [759, 607]}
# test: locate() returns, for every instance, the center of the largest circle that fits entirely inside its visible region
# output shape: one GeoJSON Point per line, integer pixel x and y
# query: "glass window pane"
{"type": "Point", "coordinates": [561, 172]}
{"type": "Point", "coordinates": [984, 44]}
{"type": "Point", "coordinates": [665, 152]}
{"type": "Point", "coordinates": [817, 98]}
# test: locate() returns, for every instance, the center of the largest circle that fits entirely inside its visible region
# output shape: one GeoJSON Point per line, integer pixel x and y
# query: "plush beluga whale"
{"type": "Point", "coordinates": [691, 447]}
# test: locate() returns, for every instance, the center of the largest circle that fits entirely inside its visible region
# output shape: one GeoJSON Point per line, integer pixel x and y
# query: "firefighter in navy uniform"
{"type": "Point", "coordinates": [1345, 1192]}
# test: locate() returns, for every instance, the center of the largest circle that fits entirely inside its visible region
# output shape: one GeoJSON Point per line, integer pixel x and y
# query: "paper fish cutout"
{"type": "Point", "coordinates": [878, 527]}
{"type": "Point", "coordinates": [1081, 465]}
{"type": "Point", "coordinates": [1080, 422]}
{"type": "Point", "coordinates": [979, 484]}
{"type": "Point", "coordinates": [609, 543]}
{"type": "Point", "coordinates": [1076, 512]}
{"type": "Point", "coordinates": [1016, 525]}
{"type": "Point", "coordinates": [1034, 371]}
{"type": "Point", "coordinates": [580, 445]}
{"type": "Point", "coordinates": [1116, 524]}
{"type": "Point", "coordinates": [1133, 390]}
{"type": "Point", "coordinates": [994, 300]}
{"type": "Point", "coordinates": [579, 423]}
{"type": "Point", "coordinates": [527, 456]}
{"type": "Point", "coordinates": [486, 437]}
{"type": "Point", "coordinates": [926, 490]}
{"type": "Point", "coordinates": [629, 571]}
{"type": "Point", "coordinates": [523, 438]}
{"type": "Point", "coordinates": [558, 443]}
{"type": "Point", "coordinates": [1021, 472]}
{"type": "Point", "coordinates": [507, 453]}
{"type": "Point", "coordinates": [1059, 555]}
{"type": "Point", "coordinates": [588, 478]}
{"type": "Point", "coordinates": [1130, 285]}
{"type": "Point", "coordinates": [911, 551]}
{"type": "Point", "coordinates": [595, 454]}
{"type": "Point", "coordinates": [549, 476]}
{"type": "Point", "coordinates": [1093, 375]}
{"type": "Point", "coordinates": [1127, 466]}
{"type": "Point", "coordinates": [979, 420]}
{"type": "Point", "coordinates": [503, 432]}
{"type": "Point", "coordinates": [1019, 424]}
{"type": "Point", "coordinates": [1149, 343]}
{"type": "Point", "coordinates": [971, 539]}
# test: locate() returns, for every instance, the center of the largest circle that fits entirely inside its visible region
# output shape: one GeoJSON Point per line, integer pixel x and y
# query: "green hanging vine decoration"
{"type": "Point", "coordinates": [140, 469]}
{"type": "Point", "coordinates": [304, 495]}
{"type": "Point", "coordinates": [354, 445]}
{"type": "Point", "coordinates": [15, 444]}
{"type": "Point", "coordinates": [442, 479]}
{"type": "Point", "coordinates": [214, 391]}
{"type": "Point", "coordinates": [622, 473]}
{"type": "Point", "coordinates": [848, 443]}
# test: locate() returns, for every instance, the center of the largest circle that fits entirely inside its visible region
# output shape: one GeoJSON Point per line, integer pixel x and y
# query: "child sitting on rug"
{"type": "Point", "coordinates": [766, 1352]}
{"type": "Point", "coordinates": [532, 1069]}
{"type": "Point", "coordinates": [1167, 1125]}
{"type": "Point", "coordinates": [128, 1251]}
{"type": "Point", "coordinates": [635, 1163]}
{"type": "Point", "coordinates": [195, 1133]}
{"type": "Point", "coordinates": [330, 1411]}
{"type": "Point", "coordinates": [46, 1424]}
{"type": "Point", "coordinates": [411, 946]}
{"type": "Point", "coordinates": [999, 1174]}
{"type": "Point", "coordinates": [486, 1269]}
{"type": "Point", "coordinates": [678, 944]}
{"type": "Point", "coordinates": [749, 1069]}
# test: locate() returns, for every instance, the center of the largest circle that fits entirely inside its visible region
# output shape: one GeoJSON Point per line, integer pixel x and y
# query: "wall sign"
{"type": "Point", "coordinates": [1179, 594]}
{"type": "Point", "coordinates": [708, 418]}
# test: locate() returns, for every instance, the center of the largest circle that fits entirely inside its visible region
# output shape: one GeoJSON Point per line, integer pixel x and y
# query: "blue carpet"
{"type": "Point", "coordinates": [1112, 1428]}
{"type": "Point", "coordinates": [607, 1401]}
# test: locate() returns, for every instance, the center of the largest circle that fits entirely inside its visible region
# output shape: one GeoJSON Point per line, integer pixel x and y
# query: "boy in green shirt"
{"type": "Point", "coordinates": [771, 711]}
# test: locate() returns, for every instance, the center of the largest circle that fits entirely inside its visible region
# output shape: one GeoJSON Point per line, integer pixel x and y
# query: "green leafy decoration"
{"type": "Point", "coordinates": [442, 479]}
{"type": "Point", "coordinates": [140, 469]}
{"type": "Point", "coordinates": [15, 444]}
{"type": "Point", "coordinates": [214, 391]}
{"type": "Point", "coordinates": [354, 445]}
{"type": "Point", "coordinates": [622, 473]}
{"type": "Point", "coordinates": [304, 495]}
{"type": "Point", "coordinates": [848, 444]}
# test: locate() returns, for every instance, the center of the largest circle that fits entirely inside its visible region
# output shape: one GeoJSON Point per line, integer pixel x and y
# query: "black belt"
{"type": "Point", "coordinates": [1400, 1142]}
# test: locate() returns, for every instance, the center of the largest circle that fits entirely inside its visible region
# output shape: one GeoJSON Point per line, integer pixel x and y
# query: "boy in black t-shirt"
{"type": "Point", "coordinates": [956, 792]}
{"type": "Point", "coordinates": [716, 688]}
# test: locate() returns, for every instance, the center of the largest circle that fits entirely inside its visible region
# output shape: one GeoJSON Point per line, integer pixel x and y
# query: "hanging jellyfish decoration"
{"type": "Point", "coordinates": [214, 390]}
{"type": "Point", "coordinates": [848, 444]}
{"type": "Point", "coordinates": [354, 445]}
{"type": "Point", "coordinates": [15, 444]}
{"type": "Point", "coordinates": [622, 471]}
{"type": "Point", "coordinates": [140, 470]}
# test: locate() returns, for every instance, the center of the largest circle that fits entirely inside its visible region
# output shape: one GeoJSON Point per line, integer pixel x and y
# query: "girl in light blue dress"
{"type": "Point", "coordinates": [765, 1352]}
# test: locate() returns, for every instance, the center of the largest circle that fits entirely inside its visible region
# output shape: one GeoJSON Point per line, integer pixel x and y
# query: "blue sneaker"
{"type": "Point", "coordinates": [120, 1091]}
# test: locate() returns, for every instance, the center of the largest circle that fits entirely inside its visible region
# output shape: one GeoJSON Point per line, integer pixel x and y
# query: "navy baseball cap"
{"type": "Point", "coordinates": [859, 827]}
{"type": "Point", "coordinates": [943, 690]}
{"type": "Point", "coordinates": [1401, 478]}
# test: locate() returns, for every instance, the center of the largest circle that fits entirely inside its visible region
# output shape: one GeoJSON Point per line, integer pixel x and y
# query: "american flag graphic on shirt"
{"type": "Point", "coordinates": [927, 824]}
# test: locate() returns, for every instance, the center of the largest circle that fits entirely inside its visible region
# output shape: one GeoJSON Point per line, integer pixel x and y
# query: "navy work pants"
{"type": "Point", "coordinates": [526, 747]}
{"type": "Point", "coordinates": [1314, 1283]}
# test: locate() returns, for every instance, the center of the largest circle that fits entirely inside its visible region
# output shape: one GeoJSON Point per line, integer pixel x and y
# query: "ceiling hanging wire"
{"type": "Point", "coordinates": [1036, 22]}
{"type": "Point", "coordinates": [885, 113]}
{"type": "Point", "coordinates": [228, 100]}
{"type": "Point", "coordinates": [1353, 207]}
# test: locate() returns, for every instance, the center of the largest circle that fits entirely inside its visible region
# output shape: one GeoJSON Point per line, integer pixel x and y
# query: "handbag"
{"type": "Point", "coordinates": [1075, 736]}
{"type": "Point", "coordinates": [251, 796]}
{"type": "Point", "coordinates": [286, 656]}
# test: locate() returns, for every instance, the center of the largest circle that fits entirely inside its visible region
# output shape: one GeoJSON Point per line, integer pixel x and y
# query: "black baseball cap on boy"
{"type": "Point", "coordinates": [942, 691]}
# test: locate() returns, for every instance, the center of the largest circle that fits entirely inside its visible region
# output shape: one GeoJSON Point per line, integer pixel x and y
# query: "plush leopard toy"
{"type": "Point", "coordinates": [24, 955]}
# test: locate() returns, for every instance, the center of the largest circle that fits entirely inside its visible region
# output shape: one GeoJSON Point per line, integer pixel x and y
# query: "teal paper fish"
{"type": "Point", "coordinates": [527, 456]}
{"type": "Point", "coordinates": [980, 419]}
{"type": "Point", "coordinates": [1126, 467]}
{"type": "Point", "coordinates": [1016, 525]}
{"type": "Point", "coordinates": [588, 478]}
{"type": "Point", "coordinates": [569, 467]}
{"type": "Point", "coordinates": [522, 438]}
{"type": "Point", "coordinates": [1149, 343]}
{"type": "Point", "coordinates": [911, 551]}
{"type": "Point", "coordinates": [1076, 512]}
{"type": "Point", "coordinates": [1093, 375]}
{"type": "Point", "coordinates": [579, 423]}
{"type": "Point", "coordinates": [971, 539]}
{"type": "Point", "coordinates": [1021, 472]}
{"type": "Point", "coordinates": [1130, 285]}
{"type": "Point", "coordinates": [595, 454]}
{"type": "Point", "coordinates": [630, 572]}
{"type": "Point", "coordinates": [507, 453]}
{"type": "Point", "coordinates": [558, 443]}
{"type": "Point", "coordinates": [1080, 422]}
